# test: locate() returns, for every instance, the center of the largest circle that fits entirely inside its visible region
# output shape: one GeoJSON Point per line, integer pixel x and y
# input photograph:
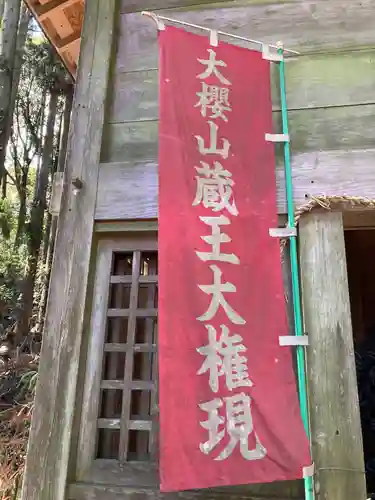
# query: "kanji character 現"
{"type": "Point", "coordinates": [238, 426]}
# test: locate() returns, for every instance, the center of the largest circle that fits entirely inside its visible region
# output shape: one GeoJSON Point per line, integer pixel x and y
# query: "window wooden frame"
{"type": "Point", "coordinates": [89, 468]}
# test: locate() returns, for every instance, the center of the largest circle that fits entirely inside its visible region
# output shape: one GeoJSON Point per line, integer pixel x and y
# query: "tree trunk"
{"type": "Point", "coordinates": [53, 229]}
{"type": "Point", "coordinates": [2, 7]}
{"type": "Point", "coordinates": [7, 59]}
{"type": "Point", "coordinates": [43, 259]}
{"type": "Point", "coordinates": [47, 232]}
{"type": "Point", "coordinates": [39, 144]}
{"type": "Point", "coordinates": [65, 128]}
{"type": "Point", "coordinates": [18, 59]}
{"type": "Point", "coordinates": [2, 2]}
{"type": "Point", "coordinates": [35, 230]}
{"type": "Point", "coordinates": [21, 220]}
{"type": "Point", "coordinates": [20, 49]}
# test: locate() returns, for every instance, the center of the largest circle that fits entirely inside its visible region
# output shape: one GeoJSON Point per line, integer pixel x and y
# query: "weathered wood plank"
{"type": "Point", "coordinates": [129, 365]}
{"type": "Point", "coordinates": [334, 409]}
{"type": "Point", "coordinates": [138, 313]}
{"type": "Point", "coordinates": [108, 423]}
{"type": "Point", "coordinates": [346, 127]}
{"type": "Point", "coordinates": [127, 191]}
{"type": "Point", "coordinates": [91, 395]}
{"type": "Point", "coordinates": [128, 226]}
{"type": "Point", "coordinates": [96, 492]}
{"type": "Point", "coordinates": [130, 190]}
{"type": "Point", "coordinates": [128, 6]}
{"type": "Point", "coordinates": [106, 473]}
{"type": "Point", "coordinates": [117, 347]}
{"type": "Point", "coordinates": [115, 423]}
{"type": "Point", "coordinates": [311, 81]}
{"type": "Point", "coordinates": [52, 422]}
{"type": "Point", "coordinates": [135, 96]}
{"type": "Point", "coordinates": [307, 26]}
{"type": "Point", "coordinates": [354, 220]}
{"type": "Point", "coordinates": [128, 279]}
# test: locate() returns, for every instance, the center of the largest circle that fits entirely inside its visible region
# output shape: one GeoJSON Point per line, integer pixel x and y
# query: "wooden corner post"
{"type": "Point", "coordinates": [333, 398]}
{"type": "Point", "coordinates": [51, 430]}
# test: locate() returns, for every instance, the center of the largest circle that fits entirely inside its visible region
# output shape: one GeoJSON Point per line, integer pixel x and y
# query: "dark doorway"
{"type": "Point", "coordinates": [360, 253]}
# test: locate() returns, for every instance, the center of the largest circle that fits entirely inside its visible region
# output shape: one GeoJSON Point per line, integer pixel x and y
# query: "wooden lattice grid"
{"type": "Point", "coordinates": [129, 359]}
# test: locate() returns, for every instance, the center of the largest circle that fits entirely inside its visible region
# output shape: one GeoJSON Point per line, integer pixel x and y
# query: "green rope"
{"type": "Point", "coordinates": [309, 492]}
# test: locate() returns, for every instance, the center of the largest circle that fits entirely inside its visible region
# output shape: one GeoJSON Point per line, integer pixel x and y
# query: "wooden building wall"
{"type": "Point", "coordinates": [329, 93]}
{"type": "Point", "coordinates": [113, 150]}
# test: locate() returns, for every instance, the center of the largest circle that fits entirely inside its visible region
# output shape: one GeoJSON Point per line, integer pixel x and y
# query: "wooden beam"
{"type": "Point", "coordinates": [63, 43]}
{"type": "Point", "coordinates": [129, 6]}
{"type": "Point", "coordinates": [98, 492]}
{"type": "Point", "coordinates": [51, 7]}
{"type": "Point", "coordinates": [315, 81]}
{"type": "Point", "coordinates": [126, 226]}
{"type": "Point", "coordinates": [334, 409]}
{"type": "Point", "coordinates": [308, 27]}
{"type": "Point", "coordinates": [320, 129]}
{"type": "Point", "coordinates": [354, 220]}
{"type": "Point", "coordinates": [52, 422]}
{"type": "Point", "coordinates": [129, 190]}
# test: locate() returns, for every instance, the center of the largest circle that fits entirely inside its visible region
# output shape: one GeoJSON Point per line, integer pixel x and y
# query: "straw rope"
{"type": "Point", "coordinates": [328, 203]}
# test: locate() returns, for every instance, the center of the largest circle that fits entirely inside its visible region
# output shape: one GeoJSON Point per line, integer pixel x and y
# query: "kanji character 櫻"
{"type": "Point", "coordinates": [215, 99]}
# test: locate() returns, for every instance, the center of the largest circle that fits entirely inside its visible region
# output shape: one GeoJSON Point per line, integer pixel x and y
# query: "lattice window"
{"type": "Point", "coordinates": [119, 412]}
{"type": "Point", "coordinates": [130, 361]}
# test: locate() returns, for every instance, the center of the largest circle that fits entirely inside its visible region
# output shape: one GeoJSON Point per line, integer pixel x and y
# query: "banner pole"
{"type": "Point", "coordinates": [159, 19]}
{"type": "Point", "coordinates": [301, 367]}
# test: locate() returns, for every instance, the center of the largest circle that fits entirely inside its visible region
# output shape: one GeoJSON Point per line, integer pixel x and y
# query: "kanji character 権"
{"type": "Point", "coordinates": [224, 357]}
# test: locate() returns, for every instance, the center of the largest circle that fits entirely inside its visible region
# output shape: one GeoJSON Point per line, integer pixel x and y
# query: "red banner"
{"type": "Point", "coordinates": [229, 410]}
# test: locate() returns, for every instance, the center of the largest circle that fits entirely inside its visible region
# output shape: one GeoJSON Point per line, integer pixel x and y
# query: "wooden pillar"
{"type": "Point", "coordinates": [334, 410]}
{"type": "Point", "coordinates": [51, 430]}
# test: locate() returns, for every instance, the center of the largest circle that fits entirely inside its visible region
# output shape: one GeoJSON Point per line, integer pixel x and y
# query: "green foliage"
{"type": "Point", "coordinates": [27, 383]}
{"type": "Point", "coordinates": [6, 217]}
{"type": "Point", "coordinates": [44, 65]}
{"type": "Point", "coordinates": [12, 272]}
{"type": "Point", "coordinates": [40, 72]}
{"type": "Point", "coordinates": [21, 283]}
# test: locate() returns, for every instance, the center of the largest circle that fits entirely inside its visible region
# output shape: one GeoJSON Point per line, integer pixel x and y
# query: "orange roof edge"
{"type": "Point", "coordinates": [61, 22]}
